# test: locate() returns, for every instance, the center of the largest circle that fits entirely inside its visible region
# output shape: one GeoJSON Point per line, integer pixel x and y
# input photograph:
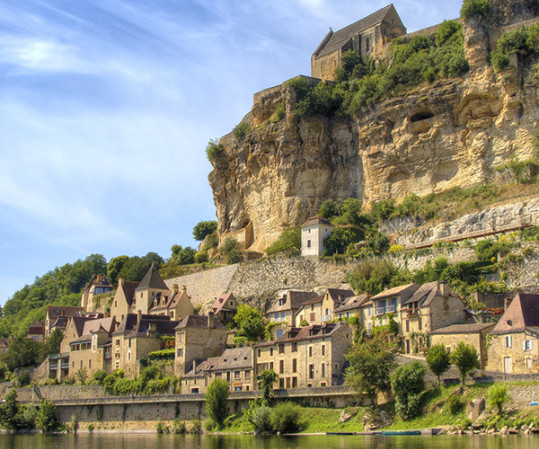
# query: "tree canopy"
{"type": "Point", "coordinates": [249, 322]}
{"type": "Point", "coordinates": [204, 228]}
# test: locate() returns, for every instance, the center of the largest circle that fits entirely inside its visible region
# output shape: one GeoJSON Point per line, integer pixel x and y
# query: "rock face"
{"type": "Point", "coordinates": [451, 133]}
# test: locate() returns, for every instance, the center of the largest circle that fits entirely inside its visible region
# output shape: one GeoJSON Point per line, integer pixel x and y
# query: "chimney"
{"type": "Point", "coordinates": [211, 320]}
{"type": "Point", "coordinates": [444, 288]}
{"type": "Point", "coordinates": [175, 288]}
{"type": "Point", "coordinates": [368, 295]}
{"type": "Point", "coordinates": [507, 303]}
{"type": "Point", "coordinates": [100, 277]}
{"type": "Point", "coordinates": [139, 314]}
{"type": "Point", "coordinates": [184, 289]}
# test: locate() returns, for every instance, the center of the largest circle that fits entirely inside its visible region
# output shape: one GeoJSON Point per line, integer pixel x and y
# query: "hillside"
{"type": "Point", "coordinates": [454, 129]}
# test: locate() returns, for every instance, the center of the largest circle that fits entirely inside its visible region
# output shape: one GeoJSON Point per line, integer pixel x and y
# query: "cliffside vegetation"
{"type": "Point", "coordinates": [524, 42]}
{"type": "Point", "coordinates": [362, 82]}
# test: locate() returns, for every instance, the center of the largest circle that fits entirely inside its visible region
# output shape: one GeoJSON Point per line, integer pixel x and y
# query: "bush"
{"type": "Point", "coordinates": [178, 427]}
{"type": "Point", "coordinates": [240, 130]}
{"type": "Point", "coordinates": [23, 379]}
{"type": "Point", "coordinates": [339, 240]}
{"type": "Point", "coordinates": [195, 427]}
{"type": "Point", "coordinates": [46, 418]}
{"type": "Point", "coordinates": [285, 417]}
{"type": "Point", "coordinates": [279, 113]}
{"type": "Point", "coordinates": [260, 418]}
{"type": "Point", "coordinates": [523, 41]}
{"type": "Point", "coordinates": [99, 376]}
{"type": "Point", "coordinates": [498, 396]}
{"type": "Point", "coordinates": [289, 240]}
{"type": "Point", "coordinates": [201, 257]}
{"type": "Point", "coordinates": [372, 275]}
{"type": "Point", "coordinates": [231, 250]}
{"type": "Point", "coordinates": [438, 360]}
{"type": "Point", "coordinates": [204, 228]}
{"type": "Point", "coordinates": [455, 404]}
{"type": "Point", "coordinates": [161, 427]}
{"type": "Point", "coordinates": [471, 8]}
{"type": "Point", "coordinates": [214, 150]}
{"type": "Point", "coordinates": [465, 358]}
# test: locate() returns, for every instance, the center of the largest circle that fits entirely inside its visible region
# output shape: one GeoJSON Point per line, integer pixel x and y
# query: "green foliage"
{"type": "Point", "coordinates": [213, 241]}
{"type": "Point", "coordinates": [22, 352]}
{"type": "Point", "coordinates": [114, 267]}
{"type": "Point", "coordinates": [260, 418]}
{"type": "Point", "coordinates": [23, 379]}
{"type": "Point", "coordinates": [471, 8]}
{"type": "Point", "coordinates": [195, 426]}
{"type": "Point", "coordinates": [82, 375]}
{"type": "Point", "coordinates": [46, 418]}
{"type": "Point", "coordinates": [407, 384]}
{"type": "Point", "coordinates": [216, 397]}
{"type": "Point", "coordinates": [382, 210]}
{"type": "Point", "coordinates": [489, 249]}
{"type": "Point", "coordinates": [240, 130]}
{"type": "Point", "coordinates": [353, 66]}
{"type": "Point", "coordinates": [99, 376]}
{"type": "Point", "coordinates": [249, 322]}
{"type": "Point", "coordinates": [465, 358]}
{"type": "Point", "coordinates": [184, 256]}
{"type": "Point", "coordinates": [339, 240]}
{"type": "Point", "coordinates": [498, 396]}
{"type": "Point", "coordinates": [133, 268]}
{"type": "Point", "coordinates": [523, 41]}
{"type": "Point", "coordinates": [52, 344]}
{"type": "Point", "coordinates": [161, 427]}
{"type": "Point", "coordinates": [231, 250]}
{"type": "Point", "coordinates": [455, 404]}
{"type": "Point", "coordinates": [289, 240]}
{"type": "Point", "coordinates": [438, 360]}
{"type": "Point", "coordinates": [201, 257]}
{"type": "Point", "coordinates": [178, 427]}
{"type": "Point", "coordinates": [214, 150]}
{"type": "Point", "coordinates": [371, 362]}
{"type": "Point", "coordinates": [372, 275]}
{"type": "Point", "coordinates": [266, 379]}
{"type": "Point", "coordinates": [285, 417]}
{"type": "Point", "coordinates": [204, 228]}
{"type": "Point", "coordinates": [12, 413]}
{"type": "Point", "coordinates": [74, 423]}
{"type": "Point", "coordinates": [279, 113]}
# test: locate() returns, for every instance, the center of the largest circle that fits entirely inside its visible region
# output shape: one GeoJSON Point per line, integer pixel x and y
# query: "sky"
{"type": "Point", "coordinates": [106, 107]}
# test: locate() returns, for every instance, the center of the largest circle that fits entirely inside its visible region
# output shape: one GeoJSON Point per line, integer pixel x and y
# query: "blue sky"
{"type": "Point", "coordinates": [106, 108]}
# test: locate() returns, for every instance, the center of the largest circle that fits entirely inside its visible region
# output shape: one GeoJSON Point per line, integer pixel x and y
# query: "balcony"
{"type": "Point", "coordinates": [326, 318]}
{"type": "Point", "coordinates": [64, 355]}
{"type": "Point", "coordinates": [412, 312]}
{"type": "Point", "coordinates": [391, 309]}
{"type": "Point", "coordinates": [379, 311]}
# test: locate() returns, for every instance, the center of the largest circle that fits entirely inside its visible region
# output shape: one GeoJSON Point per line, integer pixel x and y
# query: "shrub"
{"type": "Point", "coordinates": [201, 257]}
{"type": "Point", "coordinates": [99, 376]}
{"type": "Point", "coordinates": [339, 240]}
{"type": "Point", "coordinates": [395, 249]}
{"type": "Point", "coordinates": [46, 418]}
{"type": "Point", "coordinates": [195, 427]}
{"type": "Point", "coordinates": [279, 113]}
{"type": "Point", "coordinates": [161, 427]}
{"type": "Point", "coordinates": [74, 423]}
{"type": "Point", "coordinates": [471, 8]}
{"type": "Point", "coordinates": [498, 396]}
{"type": "Point", "coordinates": [260, 418]}
{"type": "Point", "coordinates": [231, 250]}
{"type": "Point", "coordinates": [407, 384]}
{"type": "Point", "coordinates": [204, 228]}
{"type": "Point", "coordinates": [212, 241]}
{"type": "Point", "coordinates": [285, 417]}
{"type": "Point", "coordinates": [240, 130]}
{"type": "Point", "coordinates": [178, 427]}
{"type": "Point", "coordinates": [216, 397]}
{"type": "Point", "coordinates": [438, 360]}
{"type": "Point", "coordinates": [214, 150]}
{"type": "Point", "coordinates": [455, 404]}
{"type": "Point", "coordinates": [289, 240]}
{"type": "Point", "coordinates": [465, 358]}
{"type": "Point", "coordinates": [23, 379]}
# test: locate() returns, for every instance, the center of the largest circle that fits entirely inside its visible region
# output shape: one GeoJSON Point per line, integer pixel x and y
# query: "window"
{"type": "Point", "coordinates": [259, 352]}
{"type": "Point", "coordinates": [407, 325]}
{"type": "Point", "coordinates": [237, 374]}
{"type": "Point", "coordinates": [180, 352]}
{"type": "Point", "coordinates": [194, 390]}
{"type": "Point", "coordinates": [527, 345]}
{"type": "Point", "coordinates": [281, 367]}
{"type": "Point", "coordinates": [310, 351]}
{"type": "Point", "coordinates": [128, 356]}
{"type": "Point", "coordinates": [180, 338]}
{"type": "Point", "coordinates": [281, 383]}
{"type": "Point", "coordinates": [528, 363]}
{"type": "Point", "coordinates": [129, 341]}
{"type": "Point", "coordinates": [311, 371]}
{"type": "Point", "coordinates": [282, 316]}
{"type": "Point", "coordinates": [294, 346]}
{"type": "Point", "coordinates": [294, 382]}
{"type": "Point", "coordinates": [308, 243]}
{"type": "Point", "coordinates": [271, 352]}
{"type": "Point", "coordinates": [218, 375]}
{"type": "Point", "coordinates": [368, 45]}
{"type": "Point", "coordinates": [294, 365]}
{"type": "Point", "coordinates": [323, 349]}
{"type": "Point", "coordinates": [271, 365]}
{"type": "Point", "coordinates": [279, 333]}
{"type": "Point", "coordinates": [508, 341]}
{"type": "Point", "coordinates": [323, 369]}
{"type": "Point", "coordinates": [281, 348]}
{"type": "Point", "coordinates": [247, 373]}
{"type": "Point", "coordinates": [419, 324]}
{"type": "Point", "coordinates": [118, 342]}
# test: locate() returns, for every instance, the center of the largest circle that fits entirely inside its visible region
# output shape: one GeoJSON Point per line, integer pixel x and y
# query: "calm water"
{"type": "Point", "coordinates": [129, 441]}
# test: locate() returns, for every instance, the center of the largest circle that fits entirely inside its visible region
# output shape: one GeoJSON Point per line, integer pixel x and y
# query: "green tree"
{"type": "Point", "coordinates": [46, 418]}
{"type": "Point", "coordinates": [407, 384]}
{"type": "Point", "coordinates": [52, 344]}
{"type": "Point", "coordinates": [10, 411]}
{"type": "Point", "coordinates": [471, 8]}
{"type": "Point", "coordinates": [214, 150]}
{"type": "Point", "coordinates": [22, 352]}
{"type": "Point", "coordinates": [249, 322]}
{"type": "Point", "coordinates": [114, 267]}
{"type": "Point", "coordinates": [266, 380]}
{"type": "Point", "coordinates": [216, 397]}
{"type": "Point", "coordinates": [330, 209]}
{"type": "Point", "coordinates": [184, 256]}
{"type": "Point", "coordinates": [438, 360]}
{"type": "Point", "coordinates": [82, 375]}
{"type": "Point", "coordinates": [372, 275]}
{"type": "Point", "coordinates": [371, 362]}
{"type": "Point", "coordinates": [289, 240]}
{"type": "Point", "coordinates": [341, 238]}
{"type": "Point", "coordinates": [231, 250]}
{"type": "Point", "coordinates": [204, 228]}
{"type": "Point", "coordinates": [465, 358]}
{"type": "Point", "coordinates": [497, 396]}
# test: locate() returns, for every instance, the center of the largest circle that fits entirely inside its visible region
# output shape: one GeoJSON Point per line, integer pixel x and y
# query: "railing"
{"type": "Point", "coordinates": [413, 312]}
{"type": "Point", "coordinates": [379, 311]}
{"type": "Point", "coordinates": [391, 309]}
{"type": "Point", "coordinates": [326, 318]}
{"type": "Point", "coordinates": [58, 356]}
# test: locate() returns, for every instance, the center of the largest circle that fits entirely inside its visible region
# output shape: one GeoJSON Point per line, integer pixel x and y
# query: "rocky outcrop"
{"type": "Point", "coordinates": [452, 133]}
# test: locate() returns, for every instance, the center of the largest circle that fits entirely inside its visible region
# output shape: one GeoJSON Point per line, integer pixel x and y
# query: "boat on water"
{"type": "Point", "coordinates": [400, 432]}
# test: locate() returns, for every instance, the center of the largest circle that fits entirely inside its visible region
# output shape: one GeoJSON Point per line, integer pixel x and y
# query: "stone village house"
{"type": "Point", "coordinates": [321, 308]}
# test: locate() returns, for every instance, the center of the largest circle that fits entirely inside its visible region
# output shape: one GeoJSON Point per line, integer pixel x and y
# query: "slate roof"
{"type": "Point", "coordinates": [522, 313]}
{"type": "Point", "coordinates": [313, 221]}
{"type": "Point", "coordinates": [470, 328]}
{"type": "Point", "coordinates": [56, 311]}
{"type": "Point", "coordinates": [198, 321]}
{"type": "Point", "coordinates": [426, 293]}
{"type": "Point", "coordinates": [36, 328]}
{"type": "Point", "coordinates": [340, 293]}
{"type": "Point", "coordinates": [335, 40]}
{"type": "Point", "coordinates": [351, 303]}
{"type": "Point", "coordinates": [293, 301]}
{"type": "Point", "coordinates": [233, 358]}
{"type": "Point", "coordinates": [405, 291]}
{"type": "Point", "coordinates": [129, 288]}
{"type": "Point", "coordinates": [152, 279]}
{"type": "Point", "coordinates": [85, 327]}
{"type": "Point", "coordinates": [306, 333]}
{"type": "Point", "coordinates": [131, 326]}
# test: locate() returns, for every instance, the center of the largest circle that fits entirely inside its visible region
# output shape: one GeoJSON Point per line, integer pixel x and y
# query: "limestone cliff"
{"type": "Point", "coordinates": [454, 132]}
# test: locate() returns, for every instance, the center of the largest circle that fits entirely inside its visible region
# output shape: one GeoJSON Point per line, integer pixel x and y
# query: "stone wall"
{"type": "Point", "coordinates": [205, 286]}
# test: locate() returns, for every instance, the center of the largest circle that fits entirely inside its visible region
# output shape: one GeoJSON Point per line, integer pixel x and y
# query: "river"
{"type": "Point", "coordinates": [151, 441]}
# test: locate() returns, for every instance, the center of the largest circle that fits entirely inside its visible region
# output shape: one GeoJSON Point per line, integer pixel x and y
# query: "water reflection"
{"type": "Point", "coordinates": [150, 441]}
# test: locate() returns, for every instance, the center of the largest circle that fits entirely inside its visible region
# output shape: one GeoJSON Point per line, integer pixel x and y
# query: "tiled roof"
{"type": "Point", "coordinates": [199, 321]}
{"type": "Point", "coordinates": [293, 301]}
{"type": "Point", "coordinates": [129, 288]}
{"type": "Point", "coordinates": [85, 327]}
{"type": "Point", "coordinates": [152, 279]}
{"type": "Point", "coordinates": [470, 328]}
{"type": "Point", "coordinates": [306, 333]}
{"type": "Point", "coordinates": [220, 302]}
{"type": "Point", "coordinates": [353, 302]}
{"type": "Point", "coordinates": [522, 313]}
{"type": "Point", "coordinates": [342, 36]}
{"type": "Point", "coordinates": [36, 328]}
{"type": "Point", "coordinates": [316, 220]}
{"type": "Point", "coordinates": [233, 358]}
{"type": "Point", "coordinates": [56, 311]}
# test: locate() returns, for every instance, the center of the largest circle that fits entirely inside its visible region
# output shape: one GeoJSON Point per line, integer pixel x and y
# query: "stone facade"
{"type": "Point", "coordinates": [314, 232]}
{"type": "Point", "coordinates": [308, 357]}
{"type": "Point", "coordinates": [123, 298]}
